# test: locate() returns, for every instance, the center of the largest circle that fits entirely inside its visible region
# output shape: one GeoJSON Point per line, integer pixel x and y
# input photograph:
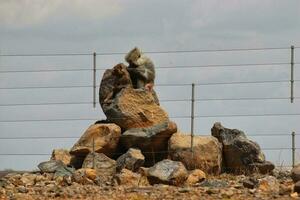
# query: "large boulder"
{"type": "Point", "coordinates": [133, 159]}
{"type": "Point", "coordinates": [167, 172]}
{"type": "Point", "coordinates": [206, 155]}
{"type": "Point", "coordinates": [104, 138]}
{"type": "Point", "coordinates": [153, 141]}
{"type": "Point", "coordinates": [295, 173]}
{"type": "Point", "coordinates": [241, 155]}
{"type": "Point", "coordinates": [101, 163]}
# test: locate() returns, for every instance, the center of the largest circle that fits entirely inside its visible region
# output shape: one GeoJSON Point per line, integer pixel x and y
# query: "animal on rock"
{"type": "Point", "coordinates": [141, 69]}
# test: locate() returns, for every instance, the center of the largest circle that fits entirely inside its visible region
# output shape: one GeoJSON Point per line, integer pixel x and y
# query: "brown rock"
{"type": "Point", "coordinates": [28, 179]}
{"type": "Point", "coordinates": [129, 178]}
{"type": "Point", "coordinates": [101, 163]}
{"type": "Point", "coordinates": [207, 154]}
{"type": "Point", "coordinates": [195, 176]}
{"type": "Point", "coordinates": [167, 172]}
{"type": "Point", "coordinates": [133, 159]}
{"type": "Point", "coordinates": [61, 154]}
{"type": "Point", "coordinates": [269, 184]}
{"type": "Point", "coordinates": [84, 176]}
{"type": "Point", "coordinates": [297, 187]}
{"type": "Point", "coordinates": [295, 173]}
{"type": "Point", "coordinates": [104, 136]}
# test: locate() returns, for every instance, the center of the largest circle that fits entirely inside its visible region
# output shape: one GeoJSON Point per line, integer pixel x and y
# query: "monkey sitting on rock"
{"type": "Point", "coordinates": [141, 69]}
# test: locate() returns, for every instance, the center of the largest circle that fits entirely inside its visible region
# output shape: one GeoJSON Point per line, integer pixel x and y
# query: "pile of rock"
{"type": "Point", "coordinates": [295, 174]}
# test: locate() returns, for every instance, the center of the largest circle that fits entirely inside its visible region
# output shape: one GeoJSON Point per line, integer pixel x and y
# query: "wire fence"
{"type": "Point", "coordinates": [290, 64]}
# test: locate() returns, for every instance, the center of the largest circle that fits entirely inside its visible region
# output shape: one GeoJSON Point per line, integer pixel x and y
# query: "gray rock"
{"type": "Point", "coordinates": [101, 163]}
{"type": "Point", "coordinates": [241, 155]}
{"type": "Point", "coordinates": [295, 173]}
{"type": "Point", "coordinates": [214, 184]}
{"type": "Point", "coordinates": [50, 166]}
{"type": "Point", "coordinates": [250, 183]}
{"type": "Point", "coordinates": [64, 171]}
{"type": "Point", "coordinates": [133, 159]}
{"type": "Point", "coordinates": [167, 172]}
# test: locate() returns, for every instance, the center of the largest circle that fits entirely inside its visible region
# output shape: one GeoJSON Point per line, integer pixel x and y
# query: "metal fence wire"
{"type": "Point", "coordinates": [192, 100]}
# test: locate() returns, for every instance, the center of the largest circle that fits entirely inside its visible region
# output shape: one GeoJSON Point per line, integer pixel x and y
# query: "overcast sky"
{"type": "Point", "coordinates": [86, 26]}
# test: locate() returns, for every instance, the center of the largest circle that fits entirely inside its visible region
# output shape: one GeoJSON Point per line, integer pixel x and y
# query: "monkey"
{"type": "Point", "coordinates": [141, 69]}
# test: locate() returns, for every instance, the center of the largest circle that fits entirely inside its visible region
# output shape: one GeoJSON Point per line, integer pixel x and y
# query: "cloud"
{"type": "Point", "coordinates": [15, 13]}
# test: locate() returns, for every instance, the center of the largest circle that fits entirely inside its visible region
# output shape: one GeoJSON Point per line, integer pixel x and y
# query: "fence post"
{"type": "Point", "coordinates": [292, 74]}
{"type": "Point", "coordinates": [94, 79]}
{"type": "Point", "coordinates": [93, 152]}
{"type": "Point", "coordinates": [293, 149]}
{"type": "Point", "coordinates": [192, 120]}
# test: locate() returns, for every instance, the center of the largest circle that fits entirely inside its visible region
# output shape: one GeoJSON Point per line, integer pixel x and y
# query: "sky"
{"type": "Point", "coordinates": [110, 26]}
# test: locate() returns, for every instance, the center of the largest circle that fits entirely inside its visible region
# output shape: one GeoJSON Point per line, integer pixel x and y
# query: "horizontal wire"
{"type": "Point", "coordinates": [167, 67]}
{"type": "Point", "coordinates": [163, 100]}
{"type": "Point", "coordinates": [250, 115]}
{"type": "Point", "coordinates": [167, 84]}
{"type": "Point", "coordinates": [78, 137]}
{"type": "Point", "coordinates": [173, 117]}
{"type": "Point", "coordinates": [150, 52]}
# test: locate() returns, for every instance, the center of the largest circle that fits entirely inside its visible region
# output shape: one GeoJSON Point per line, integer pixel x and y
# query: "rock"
{"type": "Point", "coordinates": [28, 179]}
{"type": "Point", "coordinates": [250, 183]}
{"type": "Point", "coordinates": [61, 154]}
{"type": "Point", "coordinates": [152, 141]}
{"type": "Point", "coordinates": [195, 176]}
{"type": "Point", "coordinates": [129, 178]}
{"type": "Point", "coordinates": [269, 184]}
{"type": "Point", "coordinates": [294, 195]}
{"type": "Point", "coordinates": [101, 163]}
{"type": "Point", "coordinates": [207, 152]}
{"type": "Point", "coordinates": [297, 187]}
{"type": "Point", "coordinates": [84, 176]}
{"type": "Point", "coordinates": [22, 189]}
{"type": "Point", "coordinates": [295, 173]}
{"type": "Point", "coordinates": [133, 159]}
{"type": "Point", "coordinates": [241, 155]}
{"type": "Point", "coordinates": [50, 166]}
{"type": "Point", "coordinates": [167, 172]}
{"type": "Point", "coordinates": [63, 171]}
{"type": "Point", "coordinates": [104, 136]}
{"type": "Point", "coordinates": [214, 184]}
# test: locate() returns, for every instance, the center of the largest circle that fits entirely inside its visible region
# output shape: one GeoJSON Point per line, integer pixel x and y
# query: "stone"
{"type": "Point", "coordinates": [241, 155]}
{"type": "Point", "coordinates": [50, 166]}
{"type": "Point", "coordinates": [167, 172]}
{"type": "Point", "coordinates": [101, 163]}
{"type": "Point", "coordinates": [295, 173]}
{"type": "Point", "coordinates": [133, 159]}
{"type": "Point", "coordinates": [207, 154]}
{"type": "Point", "coordinates": [104, 137]}
{"type": "Point", "coordinates": [22, 189]}
{"type": "Point", "coordinates": [152, 141]}
{"type": "Point", "coordinates": [61, 154]}
{"type": "Point", "coordinates": [84, 176]}
{"type": "Point", "coordinates": [297, 187]}
{"type": "Point", "coordinates": [250, 183]}
{"type": "Point", "coordinates": [214, 184]}
{"type": "Point", "coordinates": [129, 178]}
{"type": "Point", "coordinates": [28, 179]}
{"type": "Point", "coordinates": [63, 171]}
{"type": "Point", "coordinates": [269, 184]}
{"type": "Point", "coordinates": [195, 176]}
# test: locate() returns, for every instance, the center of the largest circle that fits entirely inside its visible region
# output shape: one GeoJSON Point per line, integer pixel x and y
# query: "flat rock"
{"type": "Point", "coordinates": [61, 154]}
{"type": "Point", "coordinates": [101, 163]}
{"type": "Point", "coordinates": [50, 166]}
{"type": "Point", "coordinates": [295, 173]}
{"type": "Point", "coordinates": [133, 159]}
{"type": "Point", "coordinates": [241, 155]}
{"type": "Point", "coordinates": [104, 137]}
{"type": "Point", "coordinates": [167, 172]}
{"type": "Point", "coordinates": [207, 154]}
